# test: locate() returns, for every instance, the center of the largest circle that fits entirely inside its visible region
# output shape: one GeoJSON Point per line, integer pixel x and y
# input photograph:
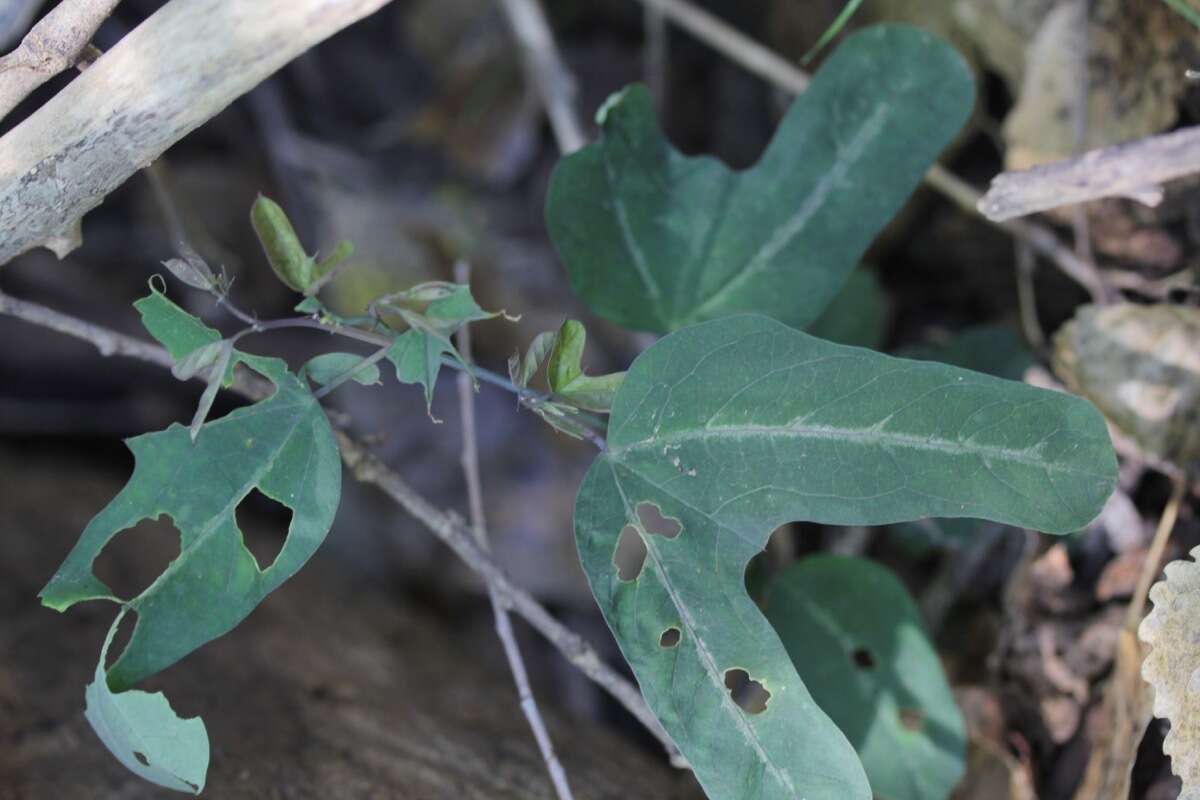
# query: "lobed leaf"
{"type": "Point", "coordinates": [855, 637]}
{"type": "Point", "coordinates": [144, 734]}
{"type": "Point", "coordinates": [730, 428]}
{"type": "Point", "coordinates": [282, 446]}
{"type": "Point", "coordinates": [655, 240]}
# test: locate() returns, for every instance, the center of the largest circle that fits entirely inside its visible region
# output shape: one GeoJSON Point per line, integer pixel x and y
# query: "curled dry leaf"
{"type": "Point", "coordinates": [1173, 666]}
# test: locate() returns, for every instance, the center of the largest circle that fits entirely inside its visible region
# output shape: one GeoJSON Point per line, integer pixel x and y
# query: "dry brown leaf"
{"type": "Point", "coordinates": [1140, 365]}
{"type": "Point", "coordinates": [1173, 666]}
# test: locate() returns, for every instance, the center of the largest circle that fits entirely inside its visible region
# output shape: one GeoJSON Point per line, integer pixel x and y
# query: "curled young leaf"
{"type": "Point", "coordinates": [326, 367]}
{"type": "Point", "coordinates": [564, 372]}
{"type": "Point", "coordinates": [191, 269]}
{"type": "Point", "coordinates": [282, 246]}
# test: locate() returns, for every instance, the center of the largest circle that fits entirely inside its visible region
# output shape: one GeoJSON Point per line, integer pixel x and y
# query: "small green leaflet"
{"type": "Point", "coordinates": [283, 446]}
{"type": "Point", "coordinates": [564, 372]}
{"type": "Point", "coordinates": [324, 368]}
{"type": "Point", "coordinates": [856, 639]}
{"type": "Point", "coordinates": [433, 312]}
{"type": "Point", "coordinates": [654, 240]}
{"type": "Point", "coordinates": [174, 752]}
{"type": "Point", "coordinates": [732, 428]}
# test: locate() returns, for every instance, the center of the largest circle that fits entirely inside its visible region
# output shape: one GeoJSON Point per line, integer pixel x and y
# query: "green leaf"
{"type": "Point", "coordinates": [736, 426]}
{"type": "Point", "coordinates": [564, 372]}
{"type": "Point", "coordinates": [145, 735]}
{"type": "Point", "coordinates": [654, 240]}
{"type": "Point", "coordinates": [324, 368]}
{"type": "Point", "coordinates": [434, 312]}
{"type": "Point", "coordinates": [858, 315]}
{"type": "Point", "coordinates": [997, 350]}
{"type": "Point", "coordinates": [286, 255]}
{"type": "Point", "coordinates": [283, 446]}
{"type": "Point", "coordinates": [521, 370]}
{"type": "Point", "coordinates": [856, 638]}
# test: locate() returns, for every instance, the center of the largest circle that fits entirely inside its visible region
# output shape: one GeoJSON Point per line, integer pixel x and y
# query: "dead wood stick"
{"type": "Point", "coordinates": [1134, 170]}
{"type": "Point", "coordinates": [53, 46]}
{"type": "Point", "coordinates": [184, 64]}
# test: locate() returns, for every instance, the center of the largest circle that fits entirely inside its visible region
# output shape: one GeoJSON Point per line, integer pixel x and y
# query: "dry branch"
{"type": "Point", "coordinates": [179, 68]}
{"type": "Point", "coordinates": [1133, 169]}
{"type": "Point", "coordinates": [53, 46]}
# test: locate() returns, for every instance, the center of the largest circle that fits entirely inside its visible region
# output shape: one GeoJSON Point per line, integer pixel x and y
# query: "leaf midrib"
{"type": "Point", "coordinates": [868, 436]}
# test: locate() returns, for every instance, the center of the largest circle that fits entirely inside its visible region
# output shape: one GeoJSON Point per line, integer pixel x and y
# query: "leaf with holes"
{"type": "Point", "coordinates": [654, 240]}
{"type": "Point", "coordinates": [856, 639]}
{"type": "Point", "coordinates": [283, 446]}
{"type": "Point", "coordinates": [733, 427]}
{"type": "Point", "coordinates": [144, 734]}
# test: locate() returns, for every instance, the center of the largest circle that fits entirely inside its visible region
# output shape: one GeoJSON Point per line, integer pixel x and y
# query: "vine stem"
{"type": "Point", "coordinates": [504, 629]}
{"type": "Point", "coordinates": [596, 424]}
{"type": "Point", "coordinates": [367, 467]}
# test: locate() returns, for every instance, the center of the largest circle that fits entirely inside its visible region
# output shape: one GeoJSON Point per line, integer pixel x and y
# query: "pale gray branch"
{"type": "Point", "coordinates": [15, 16]}
{"type": "Point", "coordinates": [1134, 170]}
{"type": "Point", "coordinates": [53, 46]}
{"type": "Point", "coordinates": [179, 68]}
{"type": "Point", "coordinates": [545, 69]}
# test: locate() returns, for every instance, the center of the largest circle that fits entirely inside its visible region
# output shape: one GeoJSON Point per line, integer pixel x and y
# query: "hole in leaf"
{"type": "Point", "coordinates": [264, 524]}
{"type": "Point", "coordinates": [750, 695]}
{"type": "Point", "coordinates": [135, 557]}
{"type": "Point", "coordinates": [121, 638]}
{"type": "Point", "coordinates": [862, 658]}
{"type": "Point", "coordinates": [630, 555]}
{"type": "Point", "coordinates": [145, 762]}
{"type": "Point", "coordinates": [912, 718]}
{"type": "Point", "coordinates": [654, 522]}
{"type": "Point", "coordinates": [670, 637]}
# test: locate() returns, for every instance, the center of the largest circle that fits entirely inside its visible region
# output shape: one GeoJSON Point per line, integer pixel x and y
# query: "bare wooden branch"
{"type": "Point", "coordinates": [366, 467]}
{"type": "Point", "coordinates": [545, 69]}
{"type": "Point", "coordinates": [1134, 170]}
{"type": "Point", "coordinates": [53, 46]}
{"type": "Point", "coordinates": [176, 70]}
{"type": "Point", "coordinates": [504, 629]}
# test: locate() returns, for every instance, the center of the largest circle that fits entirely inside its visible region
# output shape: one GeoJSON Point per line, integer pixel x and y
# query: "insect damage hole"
{"type": "Point", "coordinates": [862, 658]}
{"type": "Point", "coordinates": [750, 695]}
{"type": "Point", "coordinates": [654, 523]}
{"type": "Point", "coordinates": [630, 555]}
{"type": "Point", "coordinates": [264, 524]}
{"type": "Point", "coordinates": [135, 557]}
{"type": "Point", "coordinates": [141, 757]}
{"type": "Point", "coordinates": [912, 719]}
{"type": "Point", "coordinates": [670, 638]}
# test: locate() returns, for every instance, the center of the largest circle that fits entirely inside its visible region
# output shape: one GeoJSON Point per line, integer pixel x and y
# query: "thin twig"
{"type": "Point", "coordinates": [1083, 236]}
{"type": "Point", "coordinates": [655, 53]}
{"type": "Point", "coordinates": [51, 47]}
{"type": "Point", "coordinates": [545, 69]}
{"type": "Point", "coordinates": [767, 64]}
{"type": "Point", "coordinates": [504, 629]}
{"type": "Point", "coordinates": [1153, 563]}
{"type": "Point", "coordinates": [1026, 297]}
{"type": "Point", "coordinates": [366, 467]}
